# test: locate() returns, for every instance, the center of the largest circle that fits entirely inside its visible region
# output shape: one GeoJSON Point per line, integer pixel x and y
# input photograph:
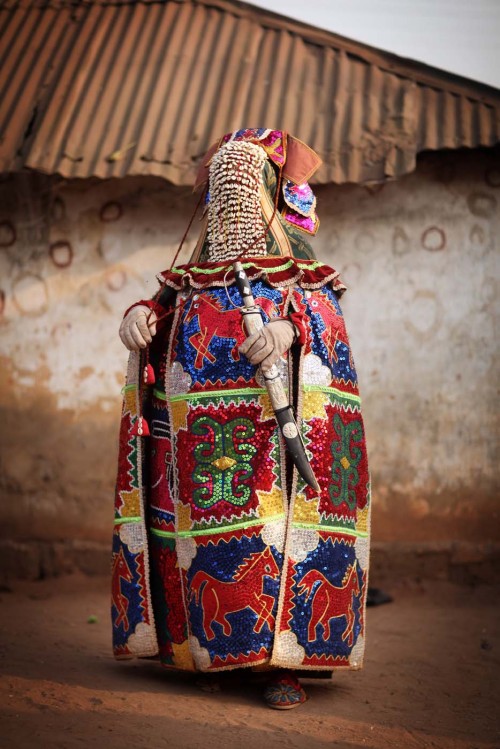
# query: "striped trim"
{"type": "Point", "coordinates": [216, 394]}
{"type": "Point", "coordinates": [331, 528]}
{"type": "Point", "coordinates": [120, 521]}
{"type": "Point", "coordinates": [216, 531]}
{"type": "Point", "coordinates": [311, 265]}
{"type": "Point", "coordinates": [340, 394]}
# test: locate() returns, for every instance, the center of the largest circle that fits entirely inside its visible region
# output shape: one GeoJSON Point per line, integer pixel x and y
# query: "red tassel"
{"type": "Point", "coordinates": [140, 428]}
{"type": "Point", "coordinates": [148, 375]}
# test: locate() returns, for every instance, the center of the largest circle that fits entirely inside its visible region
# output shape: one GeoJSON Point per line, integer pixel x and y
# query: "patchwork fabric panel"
{"type": "Point", "coordinates": [231, 462]}
{"type": "Point", "coordinates": [131, 610]}
{"type": "Point", "coordinates": [167, 592]}
{"type": "Point", "coordinates": [248, 568]}
{"type": "Point", "coordinates": [322, 617]}
{"type": "Point", "coordinates": [161, 510]}
{"type": "Point", "coordinates": [232, 589]}
{"type": "Point", "coordinates": [209, 331]}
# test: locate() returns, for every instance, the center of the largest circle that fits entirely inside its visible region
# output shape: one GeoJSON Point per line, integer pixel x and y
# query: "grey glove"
{"type": "Point", "coordinates": [267, 345]}
{"type": "Point", "coordinates": [135, 331]}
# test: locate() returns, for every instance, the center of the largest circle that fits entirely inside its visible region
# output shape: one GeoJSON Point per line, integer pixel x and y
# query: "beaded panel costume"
{"type": "Point", "coordinates": [222, 556]}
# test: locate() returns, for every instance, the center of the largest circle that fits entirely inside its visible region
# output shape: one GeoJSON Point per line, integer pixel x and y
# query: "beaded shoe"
{"type": "Point", "coordinates": [284, 692]}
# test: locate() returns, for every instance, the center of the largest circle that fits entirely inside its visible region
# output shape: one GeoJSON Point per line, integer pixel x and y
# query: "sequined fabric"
{"type": "Point", "coordinates": [273, 141]}
{"type": "Point", "coordinates": [299, 197]}
{"type": "Point", "coordinates": [299, 209]}
{"type": "Point", "coordinates": [246, 569]}
{"type": "Point", "coordinates": [309, 224]}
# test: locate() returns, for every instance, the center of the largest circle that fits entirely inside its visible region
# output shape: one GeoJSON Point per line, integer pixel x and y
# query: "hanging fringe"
{"type": "Point", "coordinates": [148, 375]}
{"type": "Point", "coordinates": [140, 428]}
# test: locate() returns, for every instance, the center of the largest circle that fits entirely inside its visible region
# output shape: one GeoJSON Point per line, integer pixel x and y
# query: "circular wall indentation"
{"type": "Point", "coordinates": [477, 234]}
{"type": "Point", "coordinates": [481, 241]}
{"type": "Point", "coordinates": [481, 204]}
{"type": "Point", "coordinates": [400, 241]}
{"type": "Point", "coordinates": [350, 273]}
{"type": "Point", "coordinates": [116, 279]}
{"type": "Point", "coordinates": [7, 234]}
{"type": "Point", "coordinates": [425, 312]}
{"type": "Point", "coordinates": [111, 211]}
{"type": "Point", "coordinates": [333, 240]}
{"type": "Point", "coordinates": [61, 253]}
{"type": "Point", "coordinates": [492, 176]}
{"type": "Point", "coordinates": [489, 290]}
{"type": "Point", "coordinates": [30, 294]}
{"type": "Point", "coordinates": [433, 239]}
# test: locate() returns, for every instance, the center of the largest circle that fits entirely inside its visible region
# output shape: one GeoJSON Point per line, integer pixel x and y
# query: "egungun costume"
{"type": "Point", "coordinates": [223, 556]}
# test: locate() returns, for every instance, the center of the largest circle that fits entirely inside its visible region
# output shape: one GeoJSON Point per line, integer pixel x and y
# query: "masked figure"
{"type": "Point", "coordinates": [223, 556]}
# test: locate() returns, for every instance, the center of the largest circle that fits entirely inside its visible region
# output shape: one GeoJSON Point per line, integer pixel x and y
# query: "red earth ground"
{"type": "Point", "coordinates": [430, 679]}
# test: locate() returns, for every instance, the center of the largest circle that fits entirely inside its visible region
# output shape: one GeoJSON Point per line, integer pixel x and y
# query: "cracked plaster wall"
{"type": "Point", "coordinates": [419, 257]}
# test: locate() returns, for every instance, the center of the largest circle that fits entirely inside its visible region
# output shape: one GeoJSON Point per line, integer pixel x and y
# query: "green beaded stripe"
{"type": "Point", "coordinates": [242, 392]}
{"type": "Point", "coordinates": [220, 529]}
{"type": "Point", "coordinates": [347, 399]}
{"type": "Point", "coordinates": [119, 521]}
{"type": "Point", "coordinates": [284, 266]}
{"type": "Point", "coordinates": [334, 528]}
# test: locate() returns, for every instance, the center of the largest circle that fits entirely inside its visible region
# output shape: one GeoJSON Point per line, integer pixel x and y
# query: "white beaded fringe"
{"type": "Point", "coordinates": [235, 222]}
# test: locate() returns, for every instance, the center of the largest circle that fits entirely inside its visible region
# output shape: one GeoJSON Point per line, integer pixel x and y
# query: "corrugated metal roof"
{"type": "Point", "coordinates": [110, 89]}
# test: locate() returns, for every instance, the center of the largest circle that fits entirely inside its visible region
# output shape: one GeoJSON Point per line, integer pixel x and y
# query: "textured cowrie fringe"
{"type": "Point", "coordinates": [235, 222]}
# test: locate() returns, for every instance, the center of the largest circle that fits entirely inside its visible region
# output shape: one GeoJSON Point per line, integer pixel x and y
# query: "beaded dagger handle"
{"type": "Point", "coordinates": [274, 384]}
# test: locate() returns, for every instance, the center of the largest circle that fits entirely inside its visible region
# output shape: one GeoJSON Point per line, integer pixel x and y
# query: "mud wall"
{"type": "Point", "coordinates": [418, 256]}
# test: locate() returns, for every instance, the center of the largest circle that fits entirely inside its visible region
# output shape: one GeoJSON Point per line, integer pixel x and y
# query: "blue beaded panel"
{"type": "Point", "coordinates": [210, 330]}
{"type": "Point", "coordinates": [299, 197]}
{"type": "Point", "coordinates": [127, 610]}
{"type": "Point", "coordinates": [225, 612]}
{"type": "Point", "coordinates": [327, 565]}
{"type": "Point", "coordinates": [328, 337]}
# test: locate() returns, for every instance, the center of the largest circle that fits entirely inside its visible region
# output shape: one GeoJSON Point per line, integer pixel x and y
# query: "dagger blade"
{"type": "Point", "coordinates": [274, 384]}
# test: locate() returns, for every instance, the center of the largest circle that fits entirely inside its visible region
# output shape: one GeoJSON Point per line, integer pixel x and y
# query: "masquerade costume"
{"type": "Point", "coordinates": [223, 556]}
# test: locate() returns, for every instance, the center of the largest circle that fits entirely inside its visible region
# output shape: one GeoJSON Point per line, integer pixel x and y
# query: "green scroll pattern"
{"type": "Point", "coordinates": [222, 462]}
{"type": "Point", "coordinates": [346, 457]}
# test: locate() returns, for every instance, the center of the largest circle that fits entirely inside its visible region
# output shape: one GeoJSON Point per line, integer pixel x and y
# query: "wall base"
{"type": "Point", "coordinates": [458, 562]}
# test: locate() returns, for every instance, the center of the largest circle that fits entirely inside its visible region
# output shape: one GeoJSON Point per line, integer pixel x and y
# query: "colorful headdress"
{"type": "Point", "coordinates": [294, 160]}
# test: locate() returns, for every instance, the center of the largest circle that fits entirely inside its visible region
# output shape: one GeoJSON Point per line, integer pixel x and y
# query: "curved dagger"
{"type": "Point", "coordinates": [274, 384]}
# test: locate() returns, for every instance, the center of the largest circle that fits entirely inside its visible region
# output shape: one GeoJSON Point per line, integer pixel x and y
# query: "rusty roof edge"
{"type": "Point", "coordinates": [404, 67]}
{"type": "Point", "coordinates": [389, 61]}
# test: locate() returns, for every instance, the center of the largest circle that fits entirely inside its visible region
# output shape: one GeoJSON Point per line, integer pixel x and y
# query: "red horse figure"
{"type": "Point", "coordinates": [334, 324]}
{"type": "Point", "coordinates": [219, 598]}
{"type": "Point", "coordinates": [330, 602]}
{"type": "Point", "coordinates": [121, 572]}
{"type": "Point", "coordinates": [213, 320]}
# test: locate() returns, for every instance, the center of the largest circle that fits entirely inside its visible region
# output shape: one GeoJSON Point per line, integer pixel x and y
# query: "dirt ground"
{"type": "Point", "coordinates": [431, 679]}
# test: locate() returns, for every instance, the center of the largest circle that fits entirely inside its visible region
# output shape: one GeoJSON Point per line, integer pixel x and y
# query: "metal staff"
{"type": "Point", "coordinates": [274, 384]}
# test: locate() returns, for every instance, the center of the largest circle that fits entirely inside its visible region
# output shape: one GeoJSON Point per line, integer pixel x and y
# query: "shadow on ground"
{"type": "Point", "coordinates": [430, 680]}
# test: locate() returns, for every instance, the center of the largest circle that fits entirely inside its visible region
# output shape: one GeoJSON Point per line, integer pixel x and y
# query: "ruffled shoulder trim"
{"type": "Point", "coordinates": [277, 271]}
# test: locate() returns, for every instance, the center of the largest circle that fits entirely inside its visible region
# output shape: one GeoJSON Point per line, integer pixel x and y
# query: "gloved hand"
{"type": "Point", "coordinates": [267, 345]}
{"type": "Point", "coordinates": [135, 331]}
